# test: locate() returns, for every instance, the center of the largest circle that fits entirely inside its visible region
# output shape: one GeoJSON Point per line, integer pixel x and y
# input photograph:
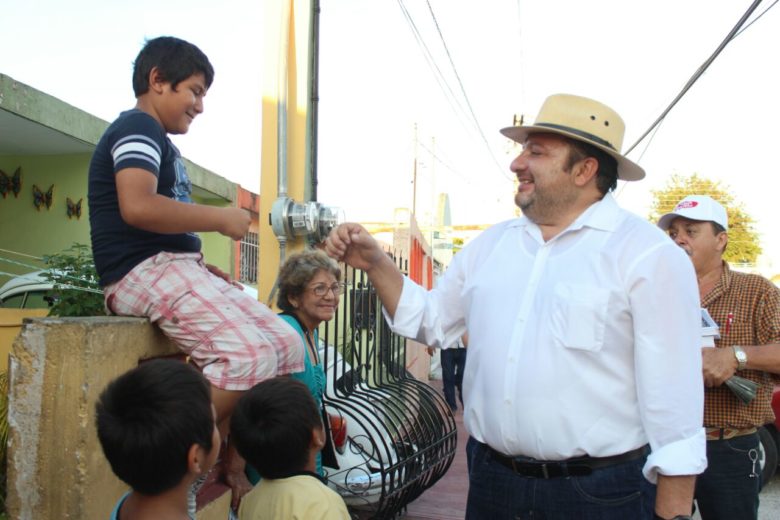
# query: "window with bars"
{"type": "Point", "coordinates": [248, 258]}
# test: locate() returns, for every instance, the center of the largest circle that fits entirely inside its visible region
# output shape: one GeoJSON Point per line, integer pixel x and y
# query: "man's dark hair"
{"type": "Point", "coordinates": [272, 426]}
{"type": "Point", "coordinates": [149, 418]}
{"type": "Point", "coordinates": [607, 176]}
{"type": "Point", "coordinates": [176, 60]}
{"type": "Point", "coordinates": [717, 229]}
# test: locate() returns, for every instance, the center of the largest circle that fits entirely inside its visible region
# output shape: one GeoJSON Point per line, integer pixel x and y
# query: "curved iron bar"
{"type": "Point", "coordinates": [409, 432]}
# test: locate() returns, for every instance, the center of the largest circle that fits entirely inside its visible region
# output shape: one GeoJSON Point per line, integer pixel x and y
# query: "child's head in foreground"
{"type": "Point", "coordinates": [277, 427]}
{"type": "Point", "coordinates": [156, 426]}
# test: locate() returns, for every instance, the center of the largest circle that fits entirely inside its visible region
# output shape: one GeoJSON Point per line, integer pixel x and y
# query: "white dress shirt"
{"type": "Point", "coordinates": [587, 344]}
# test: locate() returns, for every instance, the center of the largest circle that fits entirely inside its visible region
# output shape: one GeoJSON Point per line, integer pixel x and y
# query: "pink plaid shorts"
{"type": "Point", "coordinates": [236, 340]}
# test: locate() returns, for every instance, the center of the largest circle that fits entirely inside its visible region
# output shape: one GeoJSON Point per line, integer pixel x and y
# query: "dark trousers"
{"type": "Point", "coordinates": [453, 362]}
{"type": "Point", "coordinates": [618, 492]}
{"type": "Point", "coordinates": [728, 488]}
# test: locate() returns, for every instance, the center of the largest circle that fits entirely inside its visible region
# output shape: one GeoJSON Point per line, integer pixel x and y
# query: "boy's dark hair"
{"type": "Point", "coordinates": [272, 426]}
{"type": "Point", "coordinates": [176, 60]}
{"type": "Point", "coordinates": [147, 420]}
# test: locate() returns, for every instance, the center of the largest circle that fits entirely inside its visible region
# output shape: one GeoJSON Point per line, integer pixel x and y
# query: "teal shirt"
{"type": "Point", "coordinates": [313, 376]}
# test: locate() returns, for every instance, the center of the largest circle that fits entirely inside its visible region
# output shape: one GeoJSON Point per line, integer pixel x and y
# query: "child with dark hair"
{"type": "Point", "coordinates": [157, 427]}
{"type": "Point", "coordinates": [277, 428]}
{"type": "Point", "coordinates": [147, 252]}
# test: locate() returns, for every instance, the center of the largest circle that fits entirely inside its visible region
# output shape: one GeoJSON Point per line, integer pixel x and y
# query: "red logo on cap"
{"type": "Point", "coordinates": [687, 204]}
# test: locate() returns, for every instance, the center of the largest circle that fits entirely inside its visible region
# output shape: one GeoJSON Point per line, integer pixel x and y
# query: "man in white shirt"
{"type": "Point", "coordinates": [583, 385]}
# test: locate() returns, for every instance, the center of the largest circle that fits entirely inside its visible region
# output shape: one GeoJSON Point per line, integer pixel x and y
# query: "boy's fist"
{"type": "Point", "coordinates": [235, 223]}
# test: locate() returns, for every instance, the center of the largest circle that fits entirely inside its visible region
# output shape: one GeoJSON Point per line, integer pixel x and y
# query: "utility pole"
{"type": "Point", "coordinates": [414, 175]}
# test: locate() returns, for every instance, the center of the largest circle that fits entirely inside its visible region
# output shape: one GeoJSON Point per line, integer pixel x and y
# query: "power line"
{"type": "Point", "coordinates": [696, 75]}
{"type": "Point", "coordinates": [465, 96]}
{"type": "Point", "coordinates": [438, 75]}
{"type": "Point", "coordinates": [754, 20]}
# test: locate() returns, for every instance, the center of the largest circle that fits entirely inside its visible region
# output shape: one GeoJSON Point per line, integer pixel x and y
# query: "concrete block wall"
{"type": "Point", "coordinates": [58, 367]}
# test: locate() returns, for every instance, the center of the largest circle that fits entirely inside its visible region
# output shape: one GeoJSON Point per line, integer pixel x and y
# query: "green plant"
{"type": "Point", "coordinates": [76, 291]}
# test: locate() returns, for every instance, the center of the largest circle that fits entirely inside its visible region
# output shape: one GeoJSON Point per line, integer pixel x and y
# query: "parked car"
{"type": "Point", "coordinates": [28, 291]}
{"type": "Point", "coordinates": [769, 437]}
{"type": "Point", "coordinates": [390, 446]}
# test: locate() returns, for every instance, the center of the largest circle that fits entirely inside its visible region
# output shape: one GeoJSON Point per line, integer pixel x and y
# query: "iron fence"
{"type": "Point", "coordinates": [401, 434]}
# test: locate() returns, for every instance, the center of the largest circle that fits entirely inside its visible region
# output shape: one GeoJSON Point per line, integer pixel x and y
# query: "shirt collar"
{"type": "Point", "coordinates": [721, 287]}
{"type": "Point", "coordinates": [601, 215]}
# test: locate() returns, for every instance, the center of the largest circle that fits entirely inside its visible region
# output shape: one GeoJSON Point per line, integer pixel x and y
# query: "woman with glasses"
{"type": "Point", "coordinates": [309, 291]}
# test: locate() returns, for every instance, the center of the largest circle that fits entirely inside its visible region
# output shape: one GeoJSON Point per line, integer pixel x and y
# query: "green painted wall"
{"type": "Point", "coordinates": [23, 229]}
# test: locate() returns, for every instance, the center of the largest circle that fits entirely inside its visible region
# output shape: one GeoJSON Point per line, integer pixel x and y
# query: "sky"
{"type": "Point", "coordinates": [383, 105]}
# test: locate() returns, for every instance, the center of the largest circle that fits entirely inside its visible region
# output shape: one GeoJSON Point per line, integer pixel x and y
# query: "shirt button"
{"type": "Point", "coordinates": [507, 401]}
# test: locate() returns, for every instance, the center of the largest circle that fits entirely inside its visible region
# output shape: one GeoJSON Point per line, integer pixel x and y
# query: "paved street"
{"type": "Point", "coordinates": [769, 509]}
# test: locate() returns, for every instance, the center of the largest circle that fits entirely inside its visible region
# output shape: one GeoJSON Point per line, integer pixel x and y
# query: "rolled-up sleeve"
{"type": "Point", "coordinates": [667, 330]}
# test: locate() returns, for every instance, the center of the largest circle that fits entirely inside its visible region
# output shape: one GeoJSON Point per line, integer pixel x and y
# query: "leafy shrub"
{"type": "Point", "coordinates": [76, 291]}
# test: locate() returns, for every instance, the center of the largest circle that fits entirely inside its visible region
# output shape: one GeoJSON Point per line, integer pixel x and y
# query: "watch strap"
{"type": "Point", "coordinates": [741, 356]}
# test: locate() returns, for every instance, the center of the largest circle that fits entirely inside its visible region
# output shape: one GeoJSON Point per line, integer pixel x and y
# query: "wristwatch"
{"type": "Point", "coordinates": [741, 356]}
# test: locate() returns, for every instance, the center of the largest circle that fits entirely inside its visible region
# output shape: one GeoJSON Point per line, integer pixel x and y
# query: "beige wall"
{"type": "Point", "coordinates": [58, 368]}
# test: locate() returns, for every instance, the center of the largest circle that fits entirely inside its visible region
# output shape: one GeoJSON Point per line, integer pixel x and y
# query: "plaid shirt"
{"type": "Point", "coordinates": [754, 303]}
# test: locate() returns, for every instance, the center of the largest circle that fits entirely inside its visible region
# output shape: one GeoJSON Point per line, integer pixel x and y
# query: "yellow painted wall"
{"type": "Point", "coordinates": [279, 16]}
{"type": "Point", "coordinates": [10, 325]}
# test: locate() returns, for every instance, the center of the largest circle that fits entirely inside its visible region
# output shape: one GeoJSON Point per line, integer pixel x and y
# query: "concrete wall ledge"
{"type": "Point", "coordinates": [58, 367]}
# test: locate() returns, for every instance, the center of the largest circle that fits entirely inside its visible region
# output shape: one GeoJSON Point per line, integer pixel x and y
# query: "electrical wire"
{"type": "Point", "coordinates": [465, 96]}
{"type": "Point", "coordinates": [699, 72]}
{"type": "Point", "coordinates": [754, 20]}
{"type": "Point", "coordinates": [438, 75]}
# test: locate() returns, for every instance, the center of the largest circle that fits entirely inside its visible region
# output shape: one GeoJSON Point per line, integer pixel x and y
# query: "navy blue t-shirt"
{"type": "Point", "coordinates": [134, 140]}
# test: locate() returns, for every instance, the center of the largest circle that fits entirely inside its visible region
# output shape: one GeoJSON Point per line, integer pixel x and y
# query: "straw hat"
{"type": "Point", "coordinates": [584, 120]}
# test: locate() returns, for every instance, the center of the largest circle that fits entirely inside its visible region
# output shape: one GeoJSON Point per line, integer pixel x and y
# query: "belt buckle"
{"type": "Point", "coordinates": [545, 472]}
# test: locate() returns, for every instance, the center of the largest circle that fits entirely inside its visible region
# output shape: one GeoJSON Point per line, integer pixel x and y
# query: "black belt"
{"type": "Point", "coordinates": [576, 467]}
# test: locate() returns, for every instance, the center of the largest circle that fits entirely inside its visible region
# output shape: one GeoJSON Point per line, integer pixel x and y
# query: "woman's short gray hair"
{"type": "Point", "coordinates": [298, 270]}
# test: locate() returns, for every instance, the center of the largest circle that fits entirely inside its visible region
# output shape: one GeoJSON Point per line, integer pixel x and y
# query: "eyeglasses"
{"type": "Point", "coordinates": [321, 289]}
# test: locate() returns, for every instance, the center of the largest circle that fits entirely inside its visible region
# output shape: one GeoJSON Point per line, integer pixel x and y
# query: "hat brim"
{"type": "Point", "coordinates": [627, 170]}
{"type": "Point", "coordinates": [666, 221]}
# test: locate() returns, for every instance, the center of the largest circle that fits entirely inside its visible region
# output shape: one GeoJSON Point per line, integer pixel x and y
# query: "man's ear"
{"type": "Point", "coordinates": [723, 241]}
{"type": "Point", "coordinates": [585, 170]}
{"type": "Point", "coordinates": [156, 80]}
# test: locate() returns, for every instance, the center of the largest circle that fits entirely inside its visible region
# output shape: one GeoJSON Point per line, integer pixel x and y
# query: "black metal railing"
{"type": "Point", "coordinates": [401, 434]}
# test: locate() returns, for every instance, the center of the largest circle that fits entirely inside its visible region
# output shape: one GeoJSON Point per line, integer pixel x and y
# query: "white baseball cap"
{"type": "Point", "coordinates": [696, 207]}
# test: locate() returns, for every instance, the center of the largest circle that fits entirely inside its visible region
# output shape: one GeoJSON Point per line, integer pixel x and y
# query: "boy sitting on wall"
{"type": "Point", "coordinates": [278, 429]}
{"type": "Point", "coordinates": [146, 250]}
{"type": "Point", "coordinates": [157, 427]}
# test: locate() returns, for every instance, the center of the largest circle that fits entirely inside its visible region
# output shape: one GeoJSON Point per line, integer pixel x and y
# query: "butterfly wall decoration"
{"type": "Point", "coordinates": [12, 183]}
{"type": "Point", "coordinates": [74, 208]}
{"type": "Point", "coordinates": [43, 199]}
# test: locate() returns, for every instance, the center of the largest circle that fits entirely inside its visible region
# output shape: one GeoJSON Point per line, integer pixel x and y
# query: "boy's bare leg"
{"type": "Point", "coordinates": [224, 402]}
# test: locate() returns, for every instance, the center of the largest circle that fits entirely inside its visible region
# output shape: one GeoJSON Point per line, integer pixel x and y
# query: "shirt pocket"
{"type": "Point", "coordinates": [579, 316]}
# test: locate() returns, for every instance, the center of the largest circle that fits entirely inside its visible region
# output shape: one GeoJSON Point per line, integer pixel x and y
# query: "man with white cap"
{"type": "Point", "coordinates": [747, 310]}
{"type": "Point", "coordinates": [583, 373]}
